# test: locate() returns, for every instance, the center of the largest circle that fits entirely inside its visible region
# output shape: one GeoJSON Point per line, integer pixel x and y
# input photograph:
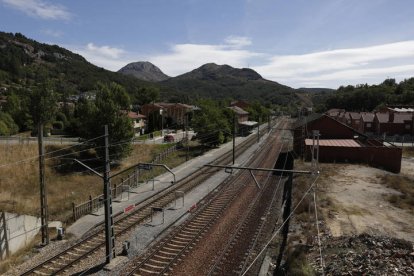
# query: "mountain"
{"type": "Point", "coordinates": [25, 63]}
{"type": "Point", "coordinates": [214, 72]}
{"type": "Point", "coordinates": [223, 81]}
{"type": "Point", "coordinates": [144, 70]}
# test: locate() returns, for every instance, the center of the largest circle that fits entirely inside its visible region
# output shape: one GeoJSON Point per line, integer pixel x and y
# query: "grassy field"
{"type": "Point", "coordinates": [19, 181]}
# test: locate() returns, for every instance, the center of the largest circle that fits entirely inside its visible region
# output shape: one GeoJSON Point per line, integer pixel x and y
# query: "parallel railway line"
{"type": "Point", "coordinates": [68, 258]}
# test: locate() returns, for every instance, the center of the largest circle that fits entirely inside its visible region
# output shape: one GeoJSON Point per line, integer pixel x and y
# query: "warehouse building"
{"type": "Point", "coordinates": [341, 143]}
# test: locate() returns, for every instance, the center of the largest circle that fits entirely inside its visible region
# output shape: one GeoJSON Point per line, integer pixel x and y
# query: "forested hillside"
{"type": "Point", "coordinates": [367, 97]}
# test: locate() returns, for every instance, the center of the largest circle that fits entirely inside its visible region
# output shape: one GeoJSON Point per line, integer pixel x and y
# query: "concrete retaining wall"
{"type": "Point", "coordinates": [21, 230]}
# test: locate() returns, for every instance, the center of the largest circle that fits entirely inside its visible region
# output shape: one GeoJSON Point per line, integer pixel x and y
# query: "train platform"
{"type": "Point", "coordinates": [178, 209]}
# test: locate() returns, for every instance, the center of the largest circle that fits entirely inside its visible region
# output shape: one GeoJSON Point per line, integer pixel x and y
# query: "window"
{"type": "Point", "coordinates": [369, 124]}
{"type": "Point", "coordinates": [407, 126]}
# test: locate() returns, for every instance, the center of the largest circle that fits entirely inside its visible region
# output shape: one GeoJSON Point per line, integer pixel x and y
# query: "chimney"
{"type": "Point", "coordinates": [391, 117]}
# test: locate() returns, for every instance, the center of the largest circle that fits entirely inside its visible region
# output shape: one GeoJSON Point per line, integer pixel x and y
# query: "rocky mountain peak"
{"type": "Point", "coordinates": [144, 70]}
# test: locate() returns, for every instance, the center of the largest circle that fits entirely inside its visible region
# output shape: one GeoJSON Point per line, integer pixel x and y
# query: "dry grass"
{"type": "Point", "coordinates": [20, 256]}
{"type": "Point", "coordinates": [408, 152]}
{"type": "Point", "coordinates": [403, 184]}
{"type": "Point", "coordinates": [19, 183]}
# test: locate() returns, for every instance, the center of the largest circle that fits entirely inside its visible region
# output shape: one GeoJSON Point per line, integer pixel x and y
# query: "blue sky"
{"type": "Point", "coordinates": [300, 43]}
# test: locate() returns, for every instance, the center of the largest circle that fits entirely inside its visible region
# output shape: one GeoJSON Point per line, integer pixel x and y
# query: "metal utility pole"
{"type": "Point", "coordinates": [186, 138]}
{"type": "Point", "coordinates": [315, 151]}
{"type": "Point", "coordinates": [234, 136]}
{"type": "Point", "coordinates": [109, 223]}
{"type": "Point", "coordinates": [268, 123]}
{"type": "Point", "coordinates": [44, 216]}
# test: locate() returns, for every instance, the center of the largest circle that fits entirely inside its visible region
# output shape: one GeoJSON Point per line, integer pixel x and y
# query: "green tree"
{"type": "Point", "coordinates": [107, 110]}
{"type": "Point", "coordinates": [42, 104]}
{"type": "Point", "coordinates": [212, 123]}
{"type": "Point", "coordinates": [8, 126]}
{"type": "Point", "coordinates": [146, 95]}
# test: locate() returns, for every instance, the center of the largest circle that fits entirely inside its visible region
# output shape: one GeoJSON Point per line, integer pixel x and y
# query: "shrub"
{"type": "Point", "coordinates": [58, 125]}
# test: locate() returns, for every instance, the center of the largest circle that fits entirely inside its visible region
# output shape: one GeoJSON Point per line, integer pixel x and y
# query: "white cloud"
{"type": "Point", "coordinates": [53, 33]}
{"type": "Point", "coordinates": [186, 57]}
{"type": "Point", "coordinates": [321, 69]}
{"type": "Point", "coordinates": [108, 57]}
{"type": "Point", "coordinates": [238, 41]}
{"type": "Point", "coordinates": [39, 9]}
{"type": "Point", "coordinates": [336, 67]}
{"type": "Point", "coordinates": [105, 51]}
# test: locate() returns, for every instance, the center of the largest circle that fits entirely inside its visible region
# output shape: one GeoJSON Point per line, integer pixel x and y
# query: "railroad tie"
{"type": "Point", "coordinates": [172, 249]}
{"type": "Point", "coordinates": [148, 271]}
{"type": "Point", "coordinates": [163, 257]}
{"type": "Point", "coordinates": [187, 233]}
{"type": "Point", "coordinates": [154, 266]}
{"type": "Point", "coordinates": [174, 245]}
{"type": "Point", "coordinates": [167, 253]}
{"type": "Point", "coordinates": [58, 263]}
{"type": "Point", "coordinates": [160, 262]}
{"type": "Point", "coordinates": [73, 254]}
{"type": "Point", "coordinates": [40, 273]}
{"type": "Point", "coordinates": [49, 267]}
{"type": "Point", "coordinates": [198, 223]}
{"type": "Point", "coordinates": [180, 242]}
{"type": "Point", "coordinates": [193, 227]}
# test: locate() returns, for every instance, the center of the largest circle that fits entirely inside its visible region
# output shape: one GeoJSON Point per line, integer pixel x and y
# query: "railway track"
{"type": "Point", "coordinates": [255, 227]}
{"type": "Point", "coordinates": [68, 258]}
{"type": "Point", "coordinates": [165, 254]}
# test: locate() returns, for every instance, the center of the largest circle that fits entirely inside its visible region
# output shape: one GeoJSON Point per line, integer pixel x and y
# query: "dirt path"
{"type": "Point", "coordinates": [359, 204]}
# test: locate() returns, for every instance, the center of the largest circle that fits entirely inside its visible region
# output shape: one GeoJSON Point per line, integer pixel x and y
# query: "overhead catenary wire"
{"type": "Point", "coordinates": [34, 158]}
{"type": "Point", "coordinates": [317, 228]}
{"type": "Point", "coordinates": [284, 222]}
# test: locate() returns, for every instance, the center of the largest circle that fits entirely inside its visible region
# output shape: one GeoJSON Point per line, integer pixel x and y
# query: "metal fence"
{"type": "Point", "coordinates": [131, 181]}
{"type": "Point", "coordinates": [32, 140]}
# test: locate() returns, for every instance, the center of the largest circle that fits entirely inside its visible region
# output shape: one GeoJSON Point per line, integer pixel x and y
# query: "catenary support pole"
{"type": "Point", "coordinates": [234, 135]}
{"type": "Point", "coordinates": [109, 231]}
{"type": "Point", "coordinates": [44, 216]}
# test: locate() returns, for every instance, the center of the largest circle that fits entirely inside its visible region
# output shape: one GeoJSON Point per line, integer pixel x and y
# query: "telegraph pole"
{"type": "Point", "coordinates": [258, 132]}
{"type": "Point", "coordinates": [44, 217]}
{"type": "Point", "coordinates": [109, 223]}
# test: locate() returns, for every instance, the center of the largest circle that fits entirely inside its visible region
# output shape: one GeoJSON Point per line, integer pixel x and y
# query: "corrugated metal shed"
{"type": "Point", "coordinates": [349, 143]}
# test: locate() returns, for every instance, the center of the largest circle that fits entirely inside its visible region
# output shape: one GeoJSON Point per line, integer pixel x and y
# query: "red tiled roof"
{"type": "Point", "coordinates": [238, 110]}
{"type": "Point", "coordinates": [134, 115]}
{"type": "Point", "coordinates": [349, 143]}
{"type": "Point", "coordinates": [383, 117]}
{"type": "Point", "coordinates": [368, 117]}
{"type": "Point", "coordinates": [355, 115]}
{"type": "Point", "coordinates": [399, 118]}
